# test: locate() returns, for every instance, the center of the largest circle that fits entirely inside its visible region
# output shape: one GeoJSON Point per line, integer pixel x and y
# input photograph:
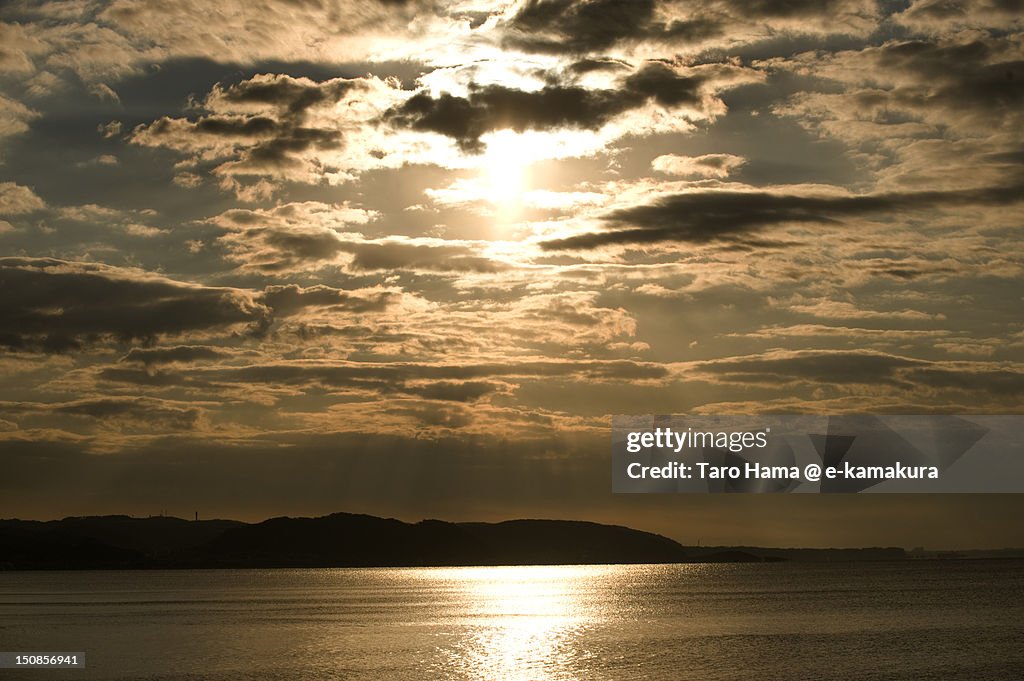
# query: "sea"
{"type": "Point", "coordinates": [907, 620]}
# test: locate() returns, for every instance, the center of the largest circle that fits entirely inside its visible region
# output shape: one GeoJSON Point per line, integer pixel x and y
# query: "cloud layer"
{"type": "Point", "coordinates": [451, 239]}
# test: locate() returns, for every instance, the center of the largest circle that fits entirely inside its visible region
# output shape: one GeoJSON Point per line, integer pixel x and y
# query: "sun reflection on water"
{"type": "Point", "coordinates": [524, 621]}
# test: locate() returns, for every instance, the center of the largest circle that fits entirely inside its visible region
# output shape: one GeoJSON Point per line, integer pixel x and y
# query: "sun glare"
{"type": "Point", "coordinates": [505, 169]}
{"type": "Point", "coordinates": [522, 619]}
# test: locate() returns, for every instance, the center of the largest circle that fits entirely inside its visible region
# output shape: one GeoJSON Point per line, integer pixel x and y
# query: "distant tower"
{"type": "Point", "coordinates": [197, 516]}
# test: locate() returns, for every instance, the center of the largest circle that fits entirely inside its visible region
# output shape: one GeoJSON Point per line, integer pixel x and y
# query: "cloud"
{"type": "Point", "coordinates": [820, 330]}
{"type": "Point", "coordinates": [298, 236]}
{"type": "Point", "coordinates": [588, 26]}
{"type": "Point", "coordinates": [288, 236]}
{"type": "Point", "coordinates": [828, 175]}
{"type": "Point", "coordinates": [496, 107]}
{"type": "Point", "coordinates": [433, 255]}
{"type": "Point", "coordinates": [110, 129]}
{"type": "Point", "coordinates": [117, 413]}
{"type": "Point", "coordinates": [14, 116]}
{"type": "Point", "coordinates": [178, 354]}
{"type": "Point", "coordinates": [277, 126]}
{"type": "Point", "coordinates": [725, 215]}
{"type": "Point", "coordinates": [972, 81]}
{"type": "Point", "coordinates": [925, 112]}
{"type": "Point", "coordinates": [62, 305]}
{"type": "Point", "coordinates": [101, 160]}
{"type": "Point", "coordinates": [832, 308]}
{"type": "Point", "coordinates": [291, 97]}
{"type": "Point", "coordinates": [272, 249]}
{"type": "Point", "coordinates": [568, 26]}
{"type": "Point", "coordinates": [405, 377]}
{"type": "Point", "coordinates": [708, 165]}
{"type": "Point", "coordinates": [986, 381]}
{"type": "Point", "coordinates": [688, 92]}
{"type": "Point", "coordinates": [289, 299]}
{"type": "Point", "coordinates": [570, 319]}
{"type": "Point", "coordinates": [283, 128]}
{"type": "Point", "coordinates": [263, 145]}
{"type": "Point", "coordinates": [1002, 381]}
{"type": "Point", "coordinates": [780, 368]}
{"type": "Point", "coordinates": [361, 382]}
{"type": "Point", "coordinates": [16, 55]}
{"type": "Point", "coordinates": [16, 199]}
{"type": "Point", "coordinates": [944, 15]}
{"type": "Point", "coordinates": [132, 222]}
{"type": "Point", "coordinates": [101, 42]}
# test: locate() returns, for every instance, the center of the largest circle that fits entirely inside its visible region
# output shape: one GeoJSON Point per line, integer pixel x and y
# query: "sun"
{"type": "Point", "coordinates": [505, 169]}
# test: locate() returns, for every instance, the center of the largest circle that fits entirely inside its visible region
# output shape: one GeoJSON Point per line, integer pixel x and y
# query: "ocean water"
{"type": "Point", "coordinates": [942, 620]}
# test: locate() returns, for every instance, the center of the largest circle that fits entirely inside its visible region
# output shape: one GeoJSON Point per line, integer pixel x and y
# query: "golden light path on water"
{"type": "Point", "coordinates": [523, 619]}
{"type": "Point", "coordinates": [525, 622]}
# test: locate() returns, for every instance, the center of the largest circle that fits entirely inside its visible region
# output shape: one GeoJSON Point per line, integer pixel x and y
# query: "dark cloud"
{"type": "Point", "coordinates": [965, 86]}
{"type": "Point", "coordinates": [451, 382]}
{"type": "Point", "coordinates": [272, 249]}
{"type": "Point", "coordinates": [590, 65]}
{"type": "Point", "coordinates": [946, 14]}
{"type": "Point", "coordinates": [222, 126]}
{"type": "Point", "coordinates": [435, 414]}
{"type": "Point", "coordinates": [1004, 382]}
{"type": "Point", "coordinates": [701, 217]}
{"type": "Point", "coordinates": [909, 271]}
{"type": "Point", "coordinates": [156, 412]}
{"type": "Point", "coordinates": [282, 151]}
{"type": "Point", "coordinates": [56, 305]}
{"type": "Point", "coordinates": [569, 26]}
{"type": "Point", "coordinates": [833, 367]}
{"type": "Point", "coordinates": [346, 374]}
{"type": "Point", "coordinates": [268, 246]}
{"type": "Point", "coordinates": [985, 381]}
{"type": "Point", "coordinates": [768, 9]}
{"type": "Point", "coordinates": [262, 121]}
{"type": "Point", "coordinates": [587, 26]}
{"type": "Point", "coordinates": [397, 255]}
{"type": "Point", "coordinates": [290, 299]}
{"type": "Point", "coordinates": [163, 414]}
{"type": "Point", "coordinates": [496, 107]}
{"type": "Point", "coordinates": [984, 75]}
{"type": "Point", "coordinates": [292, 97]}
{"type": "Point", "coordinates": [178, 354]}
{"type": "Point", "coordinates": [269, 144]}
{"type": "Point", "coordinates": [455, 391]}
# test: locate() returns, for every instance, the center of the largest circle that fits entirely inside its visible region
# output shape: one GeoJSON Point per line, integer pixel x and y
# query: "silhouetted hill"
{"type": "Point", "coordinates": [58, 550]}
{"type": "Point", "coordinates": [542, 542]}
{"type": "Point", "coordinates": [343, 539]}
{"type": "Point", "coordinates": [338, 540]}
{"type": "Point", "coordinates": [349, 540]}
{"type": "Point", "coordinates": [101, 541]}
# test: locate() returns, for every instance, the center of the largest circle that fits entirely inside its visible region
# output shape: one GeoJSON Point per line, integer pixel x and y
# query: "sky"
{"type": "Point", "coordinates": [290, 257]}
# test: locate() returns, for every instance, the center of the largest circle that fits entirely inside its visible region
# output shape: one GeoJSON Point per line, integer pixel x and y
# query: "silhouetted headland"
{"type": "Point", "coordinates": [350, 540]}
